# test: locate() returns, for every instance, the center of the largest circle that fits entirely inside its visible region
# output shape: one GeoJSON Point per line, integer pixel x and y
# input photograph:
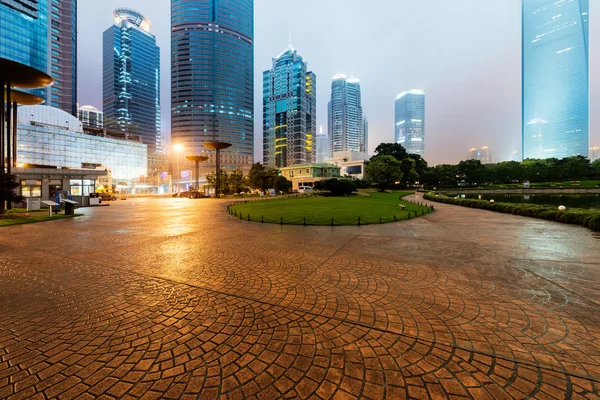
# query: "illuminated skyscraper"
{"type": "Point", "coordinates": [212, 78]}
{"type": "Point", "coordinates": [410, 121]}
{"type": "Point", "coordinates": [555, 78]}
{"type": "Point", "coordinates": [131, 78]}
{"type": "Point", "coordinates": [346, 126]}
{"type": "Point", "coordinates": [289, 111]}
{"type": "Point", "coordinates": [322, 147]}
{"type": "Point", "coordinates": [473, 154]}
{"type": "Point", "coordinates": [43, 35]}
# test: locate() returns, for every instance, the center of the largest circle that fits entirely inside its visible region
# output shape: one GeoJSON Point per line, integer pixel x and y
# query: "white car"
{"type": "Point", "coordinates": [305, 189]}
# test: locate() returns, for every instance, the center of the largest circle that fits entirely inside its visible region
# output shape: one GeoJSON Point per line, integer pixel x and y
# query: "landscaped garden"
{"type": "Point", "coordinates": [363, 209]}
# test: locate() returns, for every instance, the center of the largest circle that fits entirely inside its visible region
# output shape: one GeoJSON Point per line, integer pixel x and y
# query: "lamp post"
{"type": "Point", "coordinates": [218, 146]}
{"type": "Point", "coordinates": [197, 160]}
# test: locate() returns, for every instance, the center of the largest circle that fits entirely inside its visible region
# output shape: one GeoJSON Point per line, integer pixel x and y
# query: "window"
{"type": "Point", "coordinates": [31, 188]}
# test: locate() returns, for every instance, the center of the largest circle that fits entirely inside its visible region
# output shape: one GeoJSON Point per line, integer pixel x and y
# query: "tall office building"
{"type": "Point", "coordinates": [555, 78]}
{"type": "Point", "coordinates": [410, 121]}
{"type": "Point", "coordinates": [91, 117]}
{"type": "Point", "coordinates": [486, 156]}
{"type": "Point", "coordinates": [212, 78]}
{"type": "Point", "coordinates": [43, 35]}
{"type": "Point", "coordinates": [594, 153]}
{"type": "Point", "coordinates": [131, 78]}
{"type": "Point", "coordinates": [289, 111]}
{"type": "Point", "coordinates": [365, 133]}
{"type": "Point", "coordinates": [322, 147]}
{"type": "Point", "coordinates": [346, 127]}
{"type": "Point", "coordinates": [473, 154]}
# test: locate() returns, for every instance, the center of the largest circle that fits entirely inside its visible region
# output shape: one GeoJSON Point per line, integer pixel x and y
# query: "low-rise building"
{"type": "Point", "coordinates": [353, 164]}
{"type": "Point", "coordinates": [308, 174]}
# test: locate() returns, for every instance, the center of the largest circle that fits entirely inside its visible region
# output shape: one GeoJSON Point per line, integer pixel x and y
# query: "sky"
{"type": "Point", "coordinates": [466, 55]}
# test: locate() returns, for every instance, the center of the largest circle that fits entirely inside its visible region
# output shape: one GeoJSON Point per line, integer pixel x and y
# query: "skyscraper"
{"type": "Point", "coordinates": [322, 147]}
{"type": "Point", "coordinates": [131, 78]}
{"type": "Point", "coordinates": [555, 78]}
{"type": "Point", "coordinates": [212, 77]}
{"type": "Point", "coordinates": [410, 121]}
{"type": "Point", "coordinates": [346, 127]}
{"type": "Point", "coordinates": [473, 154]}
{"type": "Point", "coordinates": [44, 36]}
{"type": "Point", "coordinates": [365, 133]}
{"type": "Point", "coordinates": [594, 153]}
{"type": "Point", "coordinates": [91, 117]}
{"type": "Point", "coordinates": [289, 111]}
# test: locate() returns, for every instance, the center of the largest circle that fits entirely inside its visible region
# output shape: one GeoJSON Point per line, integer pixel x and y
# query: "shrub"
{"type": "Point", "coordinates": [337, 187]}
{"type": "Point", "coordinates": [587, 218]}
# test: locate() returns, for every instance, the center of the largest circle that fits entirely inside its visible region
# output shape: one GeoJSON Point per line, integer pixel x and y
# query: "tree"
{"type": "Point", "coordinates": [282, 184]}
{"type": "Point", "coordinates": [385, 171]}
{"type": "Point", "coordinates": [8, 184]}
{"type": "Point", "coordinates": [409, 175]}
{"type": "Point", "coordinates": [420, 164]}
{"type": "Point", "coordinates": [337, 187]}
{"type": "Point", "coordinates": [236, 182]}
{"type": "Point", "coordinates": [391, 149]}
{"type": "Point", "coordinates": [472, 171]}
{"type": "Point", "coordinates": [211, 180]}
{"type": "Point", "coordinates": [256, 175]}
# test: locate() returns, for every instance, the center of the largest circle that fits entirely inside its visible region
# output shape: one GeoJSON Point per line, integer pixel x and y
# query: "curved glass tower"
{"type": "Point", "coordinates": [555, 78]}
{"type": "Point", "coordinates": [212, 78]}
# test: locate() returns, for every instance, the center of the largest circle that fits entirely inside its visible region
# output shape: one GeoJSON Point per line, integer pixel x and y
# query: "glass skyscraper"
{"type": "Point", "coordinates": [131, 78]}
{"type": "Point", "coordinates": [43, 35]}
{"type": "Point", "coordinates": [346, 126]}
{"type": "Point", "coordinates": [289, 112]}
{"type": "Point", "coordinates": [212, 78]}
{"type": "Point", "coordinates": [555, 78]}
{"type": "Point", "coordinates": [410, 121]}
{"type": "Point", "coordinates": [322, 147]}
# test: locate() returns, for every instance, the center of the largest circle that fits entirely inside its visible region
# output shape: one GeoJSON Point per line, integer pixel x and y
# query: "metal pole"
{"type": "Point", "coordinates": [2, 138]}
{"type": "Point", "coordinates": [197, 176]}
{"type": "Point", "coordinates": [14, 138]}
{"type": "Point", "coordinates": [218, 188]}
{"type": "Point", "coordinates": [8, 129]}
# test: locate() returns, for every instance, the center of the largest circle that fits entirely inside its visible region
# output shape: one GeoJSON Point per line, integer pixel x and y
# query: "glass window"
{"type": "Point", "coordinates": [31, 188]}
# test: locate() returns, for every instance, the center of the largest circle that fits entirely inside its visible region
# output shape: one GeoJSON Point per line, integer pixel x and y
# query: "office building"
{"type": "Point", "coordinates": [322, 146]}
{"type": "Point", "coordinates": [594, 153]}
{"type": "Point", "coordinates": [473, 154]}
{"type": "Point", "coordinates": [410, 121]}
{"type": "Point", "coordinates": [555, 78]}
{"type": "Point", "coordinates": [91, 117]}
{"type": "Point", "coordinates": [289, 111]}
{"type": "Point", "coordinates": [51, 137]}
{"type": "Point", "coordinates": [43, 35]}
{"type": "Point", "coordinates": [308, 174]}
{"type": "Point", "coordinates": [346, 127]}
{"type": "Point", "coordinates": [365, 133]}
{"type": "Point", "coordinates": [212, 79]}
{"type": "Point", "coordinates": [131, 78]}
{"type": "Point", "coordinates": [486, 156]}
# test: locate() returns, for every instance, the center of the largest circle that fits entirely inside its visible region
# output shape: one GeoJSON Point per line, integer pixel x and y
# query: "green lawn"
{"type": "Point", "coordinates": [372, 209]}
{"type": "Point", "coordinates": [12, 219]}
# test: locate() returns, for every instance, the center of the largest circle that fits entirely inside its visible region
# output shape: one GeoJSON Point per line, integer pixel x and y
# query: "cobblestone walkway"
{"type": "Point", "coordinates": [172, 298]}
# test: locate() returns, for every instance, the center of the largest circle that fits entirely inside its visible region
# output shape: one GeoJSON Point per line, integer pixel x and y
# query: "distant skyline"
{"type": "Point", "coordinates": [469, 67]}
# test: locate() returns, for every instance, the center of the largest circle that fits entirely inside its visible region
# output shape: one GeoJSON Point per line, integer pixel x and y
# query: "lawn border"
{"type": "Point", "coordinates": [573, 216]}
{"type": "Point", "coordinates": [62, 217]}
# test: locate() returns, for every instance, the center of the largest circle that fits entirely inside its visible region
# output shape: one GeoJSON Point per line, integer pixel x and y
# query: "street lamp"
{"type": "Point", "coordinates": [197, 160]}
{"type": "Point", "coordinates": [218, 146]}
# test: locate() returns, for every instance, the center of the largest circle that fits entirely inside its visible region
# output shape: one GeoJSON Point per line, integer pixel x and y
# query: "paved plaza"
{"type": "Point", "coordinates": [173, 298]}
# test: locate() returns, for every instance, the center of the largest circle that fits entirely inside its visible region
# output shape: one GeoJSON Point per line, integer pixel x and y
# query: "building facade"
{"type": "Point", "coordinates": [212, 79]}
{"type": "Point", "coordinates": [410, 121]}
{"type": "Point", "coordinates": [91, 117]}
{"type": "Point", "coordinates": [346, 127]}
{"type": "Point", "coordinates": [594, 153]}
{"type": "Point", "coordinates": [322, 146]}
{"type": "Point", "coordinates": [131, 78]}
{"type": "Point", "coordinates": [352, 163]}
{"type": "Point", "coordinates": [555, 78]}
{"type": "Point", "coordinates": [289, 111]}
{"type": "Point", "coordinates": [308, 174]}
{"type": "Point", "coordinates": [473, 154]}
{"type": "Point", "coordinates": [43, 35]}
{"type": "Point", "coordinates": [50, 137]}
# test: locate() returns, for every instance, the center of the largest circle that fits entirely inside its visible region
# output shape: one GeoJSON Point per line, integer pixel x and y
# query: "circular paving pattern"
{"type": "Point", "coordinates": [203, 306]}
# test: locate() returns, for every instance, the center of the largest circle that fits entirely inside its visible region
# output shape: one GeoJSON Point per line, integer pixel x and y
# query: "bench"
{"type": "Point", "coordinates": [402, 206]}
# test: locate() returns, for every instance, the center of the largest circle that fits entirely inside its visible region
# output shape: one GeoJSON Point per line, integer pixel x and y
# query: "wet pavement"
{"type": "Point", "coordinates": [173, 298]}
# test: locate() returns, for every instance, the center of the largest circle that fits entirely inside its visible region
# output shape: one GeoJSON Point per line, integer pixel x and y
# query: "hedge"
{"type": "Point", "coordinates": [575, 216]}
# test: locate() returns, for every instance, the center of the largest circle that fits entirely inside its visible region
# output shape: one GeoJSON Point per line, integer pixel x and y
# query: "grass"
{"type": "Point", "coordinates": [536, 185]}
{"type": "Point", "coordinates": [575, 216]}
{"type": "Point", "coordinates": [17, 218]}
{"type": "Point", "coordinates": [374, 208]}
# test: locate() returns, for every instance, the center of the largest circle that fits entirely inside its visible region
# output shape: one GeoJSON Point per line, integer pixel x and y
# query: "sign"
{"type": "Point", "coordinates": [186, 174]}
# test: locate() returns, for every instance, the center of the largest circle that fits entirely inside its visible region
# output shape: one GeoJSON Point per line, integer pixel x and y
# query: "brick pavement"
{"type": "Point", "coordinates": [172, 298]}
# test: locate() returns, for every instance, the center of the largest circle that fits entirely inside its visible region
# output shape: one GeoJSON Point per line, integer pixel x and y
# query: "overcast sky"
{"type": "Point", "coordinates": [466, 55]}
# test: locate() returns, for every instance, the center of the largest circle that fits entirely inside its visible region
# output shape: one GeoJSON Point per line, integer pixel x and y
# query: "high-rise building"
{"type": "Point", "coordinates": [212, 78]}
{"type": "Point", "coordinates": [473, 154]}
{"type": "Point", "coordinates": [555, 78]}
{"type": "Point", "coordinates": [131, 78]}
{"type": "Point", "coordinates": [43, 35]}
{"type": "Point", "coordinates": [289, 111]}
{"type": "Point", "coordinates": [346, 127]}
{"type": "Point", "coordinates": [322, 147]}
{"type": "Point", "coordinates": [90, 117]}
{"type": "Point", "coordinates": [365, 140]}
{"type": "Point", "coordinates": [410, 121]}
{"type": "Point", "coordinates": [594, 153]}
{"type": "Point", "coordinates": [486, 156]}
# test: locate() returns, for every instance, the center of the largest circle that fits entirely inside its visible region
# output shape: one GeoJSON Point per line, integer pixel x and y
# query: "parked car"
{"type": "Point", "coordinates": [305, 189]}
{"type": "Point", "coordinates": [196, 195]}
{"type": "Point", "coordinates": [107, 197]}
{"type": "Point", "coordinates": [182, 194]}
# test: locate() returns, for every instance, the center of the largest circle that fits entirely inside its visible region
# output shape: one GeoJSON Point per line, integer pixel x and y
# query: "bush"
{"type": "Point", "coordinates": [337, 187]}
{"type": "Point", "coordinates": [587, 218]}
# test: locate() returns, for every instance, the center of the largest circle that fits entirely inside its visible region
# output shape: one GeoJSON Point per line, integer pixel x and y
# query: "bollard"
{"type": "Point", "coordinates": [422, 212]}
{"type": "Point", "coordinates": [331, 221]}
{"type": "Point", "coordinates": [235, 213]}
{"type": "Point", "coordinates": [394, 217]}
{"type": "Point", "coordinates": [262, 219]}
{"type": "Point", "coordinates": [380, 220]}
{"type": "Point", "coordinates": [240, 215]}
{"type": "Point", "coordinates": [358, 221]}
{"type": "Point", "coordinates": [304, 221]}
{"type": "Point", "coordinates": [281, 221]}
{"type": "Point", "coordinates": [409, 215]}
{"type": "Point", "coordinates": [248, 217]}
